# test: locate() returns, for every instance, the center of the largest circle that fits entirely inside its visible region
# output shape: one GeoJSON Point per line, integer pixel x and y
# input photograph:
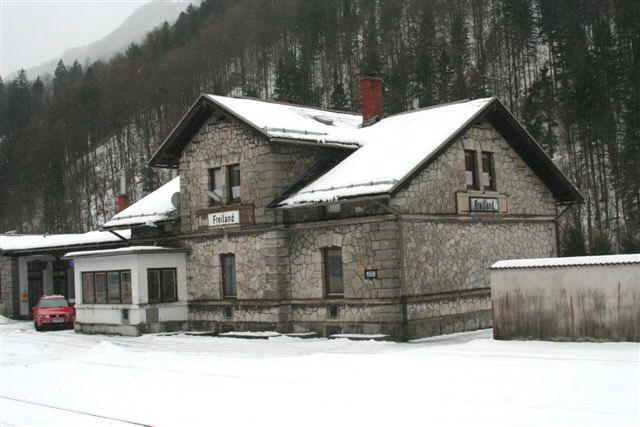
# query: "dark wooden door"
{"type": "Point", "coordinates": [34, 281]}
{"type": "Point", "coordinates": [35, 288]}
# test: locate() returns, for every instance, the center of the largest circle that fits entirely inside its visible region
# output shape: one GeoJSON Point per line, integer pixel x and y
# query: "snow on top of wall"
{"type": "Point", "coordinates": [280, 120]}
{"type": "Point", "coordinates": [568, 261]}
{"type": "Point", "coordinates": [391, 149]}
{"type": "Point", "coordinates": [152, 208]}
{"type": "Point", "coordinates": [121, 251]}
{"type": "Point", "coordinates": [18, 242]}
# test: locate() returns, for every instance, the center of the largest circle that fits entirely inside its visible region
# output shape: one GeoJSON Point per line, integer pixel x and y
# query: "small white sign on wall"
{"type": "Point", "coordinates": [484, 204]}
{"type": "Point", "coordinates": [224, 218]}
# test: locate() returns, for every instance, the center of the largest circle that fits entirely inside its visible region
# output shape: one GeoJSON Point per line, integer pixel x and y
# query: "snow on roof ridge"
{"type": "Point", "coordinates": [275, 101]}
{"type": "Point", "coordinates": [431, 107]}
{"type": "Point", "coordinates": [280, 120]}
{"type": "Point", "coordinates": [568, 261]}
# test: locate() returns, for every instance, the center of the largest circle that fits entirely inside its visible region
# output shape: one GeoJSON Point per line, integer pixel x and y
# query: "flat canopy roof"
{"type": "Point", "coordinates": [123, 251]}
{"type": "Point", "coordinates": [17, 243]}
{"type": "Point", "coordinates": [567, 261]}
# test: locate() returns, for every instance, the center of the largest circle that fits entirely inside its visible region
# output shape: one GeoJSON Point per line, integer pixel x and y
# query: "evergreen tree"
{"type": "Point", "coordinates": [459, 57]}
{"type": "Point", "coordinates": [60, 79]}
{"type": "Point", "coordinates": [372, 64]}
{"type": "Point", "coordinates": [37, 95]}
{"type": "Point", "coordinates": [75, 72]}
{"type": "Point", "coordinates": [425, 71]}
{"type": "Point", "coordinates": [573, 243]}
{"type": "Point", "coordinates": [338, 100]}
{"type": "Point", "coordinates": [539, 114]}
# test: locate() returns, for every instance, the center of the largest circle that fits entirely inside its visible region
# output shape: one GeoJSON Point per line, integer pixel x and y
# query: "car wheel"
{"type": "Point", "coordinates": [35, 325]}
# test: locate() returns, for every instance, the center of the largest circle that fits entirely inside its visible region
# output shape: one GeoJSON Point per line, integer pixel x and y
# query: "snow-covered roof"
{"type": "Point", "coordinates": [391, 149]}
{"type": "Point", "coordinates": [154, 207]}
{"type": "Point", "coordinates": [568, 261]}
{"type": "Point", "coordinates": [386, 153]}
{"type": "Point", "coordinates": [281, 120]}
{"type": "Point", "coordinates": [122, 251]}
{"type": "Point", "coordinates": [25, 242]}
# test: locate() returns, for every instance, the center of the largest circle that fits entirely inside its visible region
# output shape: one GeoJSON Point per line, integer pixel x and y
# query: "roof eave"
{"type": "Point", "coordinates": [347, 199]}
{"type": "Point", "coordinates": [329, 144]}
{"type": "Point", "coordinates": [572, 195]}
{"type": "Point", "coordinates": [137, 225]}
{"type": "Point", "coordinates": [41, 250]}
{"type": "Point", "coordinates": [101, 253]}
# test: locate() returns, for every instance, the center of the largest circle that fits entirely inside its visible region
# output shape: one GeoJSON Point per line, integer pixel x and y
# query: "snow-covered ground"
{"type": "Point", "coordinates": [63, 378]}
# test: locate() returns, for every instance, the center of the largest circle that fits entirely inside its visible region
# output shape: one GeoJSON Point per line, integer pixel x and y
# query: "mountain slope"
{"type": "Point", "coordinates": [132, 30]}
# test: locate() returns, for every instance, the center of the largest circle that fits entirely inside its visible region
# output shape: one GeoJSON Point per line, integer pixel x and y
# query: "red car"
{"type": "Point", "coordinates": [53, 310]}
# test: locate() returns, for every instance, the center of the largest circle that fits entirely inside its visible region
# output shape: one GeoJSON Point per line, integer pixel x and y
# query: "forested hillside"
{"type": "Point", "coordinates": [569, 70]}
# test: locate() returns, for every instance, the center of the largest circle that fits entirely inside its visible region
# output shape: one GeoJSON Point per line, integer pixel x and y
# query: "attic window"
{"type": "Point", "coordinates": [470, 176]}
{"type": "Point", "coordinates": [324, 120]}
{"type": "Point", "coordinates": [488, 172]}
{"type": "Point", "coordinates": [215, 184]}
{"type": "Point", "coordinates": [233, 177]}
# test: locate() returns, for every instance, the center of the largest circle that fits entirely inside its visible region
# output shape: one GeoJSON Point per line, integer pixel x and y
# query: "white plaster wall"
{"type": "Point", "coordinates": [166, 311]}
{"type": "Point", "coordinates": [138, 264]}
{"type": "Point", "coordinates": [162, 260]}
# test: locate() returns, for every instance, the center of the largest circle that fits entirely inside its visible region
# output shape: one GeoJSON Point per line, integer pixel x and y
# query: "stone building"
{"type": "Point", "coordinates": [298, 219]}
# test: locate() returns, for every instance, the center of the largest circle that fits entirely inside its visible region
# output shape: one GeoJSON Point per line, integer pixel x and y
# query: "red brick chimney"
{"type": "Point", "coordinates": [371, 99]}
{"type": "Point", "coordinates": [123, 201]}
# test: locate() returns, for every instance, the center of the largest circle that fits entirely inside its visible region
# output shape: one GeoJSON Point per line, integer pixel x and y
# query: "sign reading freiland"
{"type": "Point", "coordinates": [224, 218]}
{"type": "Point", "coordinates": [483, 204]}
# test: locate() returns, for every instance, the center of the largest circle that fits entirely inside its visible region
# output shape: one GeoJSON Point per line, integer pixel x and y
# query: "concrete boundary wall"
{"type": "Point", "coordinates": [597, 302]}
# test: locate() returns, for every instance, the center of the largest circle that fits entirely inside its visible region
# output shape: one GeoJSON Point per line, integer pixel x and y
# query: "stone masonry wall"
{"type": "Point", "coordinates": [364, 246]}
{"type": "Point", "coordinates": [368, 306]}
{"type": "Point", "coordinates": [454, 256]}
{"type": "Point", "coordinates": [265, 169]}
{"type": "Point", "coordinates": [433, 191]}
{"type": "Point", "coordinates": [352, 318]}
{"type": "Point", "coordinates": [261, 265]}
{"type": "Point", "coordinates": [447, 315]}
{"type": "Point", "coordinates": [9, 286]}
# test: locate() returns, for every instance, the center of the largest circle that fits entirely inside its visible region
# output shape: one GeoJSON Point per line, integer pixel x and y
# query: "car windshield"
{"type": "Point", "coordinates": [53, 303]}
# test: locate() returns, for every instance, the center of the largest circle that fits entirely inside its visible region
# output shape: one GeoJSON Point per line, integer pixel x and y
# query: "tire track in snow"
{"type": "Point", "coordinates": [75, 411]}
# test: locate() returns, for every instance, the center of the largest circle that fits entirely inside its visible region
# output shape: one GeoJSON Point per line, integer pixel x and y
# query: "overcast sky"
{"type": "Point", "coordinates": [35, 31]}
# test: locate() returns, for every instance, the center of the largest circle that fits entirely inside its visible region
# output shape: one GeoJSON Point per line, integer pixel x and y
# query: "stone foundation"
{"type": "Point", "coordinates": [437, 314]}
